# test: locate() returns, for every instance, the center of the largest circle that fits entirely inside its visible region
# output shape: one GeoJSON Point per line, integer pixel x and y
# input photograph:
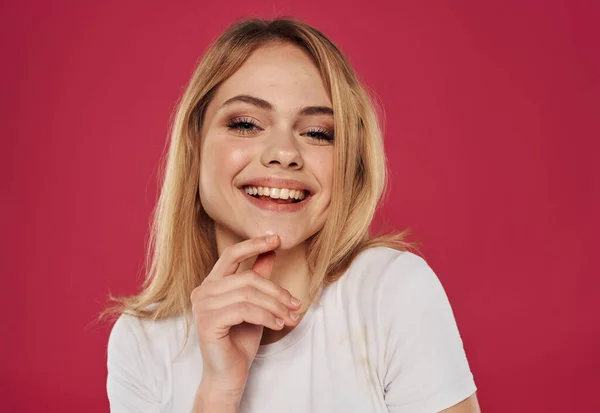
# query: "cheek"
{"type": "Point", "coordinates": [323, 162]}
{"type": "Point", "coordinates": [222, 158]}
{"type": "Point", "coordinates": [224, 152]}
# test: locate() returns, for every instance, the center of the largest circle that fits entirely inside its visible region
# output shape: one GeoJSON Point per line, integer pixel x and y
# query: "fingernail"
{"type": "Point", "coordinates": [271, 238]}
{"type": "Point", "coordinates": [295, 301]}
{"type": "Point", "coordinates": [294, 316]}
{"type": "Point", "coordinates": [279, 321]}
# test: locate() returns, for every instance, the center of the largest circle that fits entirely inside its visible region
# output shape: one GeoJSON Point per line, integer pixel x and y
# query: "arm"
{"type": "Point", "coordinates": [208, 400]}
{"type": "Point", "coordinates": [246, 300]}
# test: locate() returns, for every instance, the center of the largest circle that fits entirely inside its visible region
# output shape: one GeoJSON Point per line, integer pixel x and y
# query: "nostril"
{"type": "Point", "coordinates": [294, 164]}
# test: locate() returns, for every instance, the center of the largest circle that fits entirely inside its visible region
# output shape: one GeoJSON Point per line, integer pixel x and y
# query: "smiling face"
{"type": "Point", "coordinates": [267, 149]}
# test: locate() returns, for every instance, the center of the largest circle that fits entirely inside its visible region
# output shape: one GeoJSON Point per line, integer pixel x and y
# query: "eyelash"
{"type": "Point", "coordinates": [237, 123]}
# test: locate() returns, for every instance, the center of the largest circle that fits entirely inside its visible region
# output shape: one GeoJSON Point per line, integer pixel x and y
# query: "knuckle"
{"type": "Point", "coordinates": [270, 319]}
{"type": "Point", "coordinates": [247, 293]}
{"type": "Point", "coordinates": [244, 276]}
{"type": "Point", "coordinates": [282, 310]}
{"type": "Point", "coordinates": [243, 308]}
{"type": "Point", "coordinates": [197, 293]}
{"type": "Point", "coordinates": [194, 294]}
{"type": "Point", "coordinates": [254, 277]}
{"type": "Point", "coordinates": [196, 308]}
{"type": "Point", "coordinates": [228, 252]}
{"type": "Point", "coordinates": [263, 314]}
{"type": "Point", "coordinates": [250, 278]}
{"type": "Point", "coordinates": [283, 294]}
{"type": "Point", "coordinates": [238, 280]}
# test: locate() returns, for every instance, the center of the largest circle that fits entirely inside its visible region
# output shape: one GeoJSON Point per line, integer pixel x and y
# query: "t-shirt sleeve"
{"type": "Point", "coordinates": [427, 369]}
{"type": "Point", "coordinates": [131, 383]}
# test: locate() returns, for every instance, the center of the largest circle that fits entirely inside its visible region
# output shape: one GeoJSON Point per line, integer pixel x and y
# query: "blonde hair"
{"type": "Point", "coordinates": [182, 249]}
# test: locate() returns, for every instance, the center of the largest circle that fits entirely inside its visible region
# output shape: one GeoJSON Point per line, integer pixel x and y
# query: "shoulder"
{"type": "Point", "coordinates": [401, 307]}
{"type": "Point", "coordinates": [383, 282]}
{"type": "Point", "coordinates": [386, 271]}
{"type": "Point", "coordinates": [146, 338]}
{"type": "Point", "coordinates": [395, 289]}
{"type": "Point", "coordinates": [403, 282]}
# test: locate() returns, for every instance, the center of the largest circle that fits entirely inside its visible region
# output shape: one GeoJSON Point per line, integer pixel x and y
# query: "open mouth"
{"type": "Point", "coordinates": [277, 195]}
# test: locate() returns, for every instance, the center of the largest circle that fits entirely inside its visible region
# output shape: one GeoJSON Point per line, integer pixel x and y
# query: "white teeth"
{"type": "Point", "coordinates": [276, 193]}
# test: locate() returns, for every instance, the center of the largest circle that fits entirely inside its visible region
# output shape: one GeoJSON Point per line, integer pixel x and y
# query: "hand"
{"type": "Point", "coordinates": [231, 310]}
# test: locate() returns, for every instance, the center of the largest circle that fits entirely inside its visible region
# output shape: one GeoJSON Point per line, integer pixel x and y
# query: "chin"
{"type": "Point", "coordinates": [290, 242]}
{"type": "Point", "coordinates": [289, 239]}
{"type": "Point", "coordinates": [291, 235]}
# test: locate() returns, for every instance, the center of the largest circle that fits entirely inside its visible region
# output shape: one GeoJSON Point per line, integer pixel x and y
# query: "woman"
{"type": "Point", "coordinates": [265, 292]}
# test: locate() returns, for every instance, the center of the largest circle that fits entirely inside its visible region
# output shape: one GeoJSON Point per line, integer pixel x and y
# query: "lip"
{"type": "Point", "coordinates": [273, 182]}
{"type": "Point", "coordinates": [271, 206]}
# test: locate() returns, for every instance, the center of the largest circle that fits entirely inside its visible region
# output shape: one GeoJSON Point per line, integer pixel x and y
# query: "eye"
{"type": "Point", "coordinates": [243, 126]}
{"type": "Point", "coordinates": [320, 134]}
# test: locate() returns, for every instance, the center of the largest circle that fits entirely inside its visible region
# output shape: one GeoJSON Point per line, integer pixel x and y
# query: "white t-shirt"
{"type": "Point", "coordinates": [382, 339]}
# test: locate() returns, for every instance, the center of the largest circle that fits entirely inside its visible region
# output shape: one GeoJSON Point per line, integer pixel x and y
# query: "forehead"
{"type": "Point", "coordinates": [283, 74]}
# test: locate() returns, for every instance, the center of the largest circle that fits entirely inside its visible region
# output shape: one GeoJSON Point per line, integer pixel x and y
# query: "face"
{"type": "Point", "coordinates": [267, 149]}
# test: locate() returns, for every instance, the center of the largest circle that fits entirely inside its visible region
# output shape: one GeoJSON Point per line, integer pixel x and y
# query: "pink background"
{"type": "Point", "coordinates": [492, 137]}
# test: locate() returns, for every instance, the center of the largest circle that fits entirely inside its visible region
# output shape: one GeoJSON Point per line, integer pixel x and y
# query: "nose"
{"type": "Point", "coordinates": [281, 150]}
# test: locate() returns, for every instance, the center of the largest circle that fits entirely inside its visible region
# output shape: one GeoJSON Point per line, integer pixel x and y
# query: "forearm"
{"type": "Point", "coordinates": [211, 400]}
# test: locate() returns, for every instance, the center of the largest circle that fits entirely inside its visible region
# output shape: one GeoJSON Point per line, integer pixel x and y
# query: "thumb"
{"type": "Point", "coordinates": [264, 264]}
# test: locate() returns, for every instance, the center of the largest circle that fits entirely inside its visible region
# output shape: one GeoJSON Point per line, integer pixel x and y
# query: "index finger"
{"type": "Point", "coordinates": [229, 261]}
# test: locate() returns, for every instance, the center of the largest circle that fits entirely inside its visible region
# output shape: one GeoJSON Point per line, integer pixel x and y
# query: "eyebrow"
{"type": "Point", "coordinates": [263, 104]}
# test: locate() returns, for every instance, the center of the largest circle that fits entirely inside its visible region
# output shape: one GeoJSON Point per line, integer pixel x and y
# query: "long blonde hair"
{"type": "Point", "coordinates": [182, 249]}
